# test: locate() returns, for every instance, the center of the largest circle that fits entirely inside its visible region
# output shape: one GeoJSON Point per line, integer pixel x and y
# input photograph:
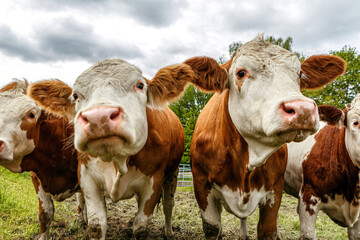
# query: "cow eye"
{"type": "Point", "coordinates": [242, 73]}
{"type": "Point", "coordinates": [356, 123]}
{"type": "Point", "coordinates": [30, 115]}
{"type": "Point", "coordinates": [140, 85]}
{"type": "Point", "coordinates": [75, 96]}
{"type": "Point", "coordinates": [300, 74]}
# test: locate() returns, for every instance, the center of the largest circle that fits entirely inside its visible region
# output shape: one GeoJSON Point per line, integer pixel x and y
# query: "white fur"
{"type": "Point", "coordinates": [99, 179]}
{"type": "Point", "coordinates": [113, 85]}
{"type": "Point", "coordinates": [233, 201]}
{"type": "Point", "coordinates": [48, 207]}
{"type": "Point", "coordinates": [308, 221]}
{"type": "Point", "coordinates": [352, 134]}
{"type": "Point", "coordinates": [13, 110]}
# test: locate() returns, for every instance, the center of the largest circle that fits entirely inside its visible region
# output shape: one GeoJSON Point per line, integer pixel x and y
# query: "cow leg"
{"type": "Point", "coordinates": [46, 208]}
{"type": "Point", "coordinates": [169, 188]}
{"type": "Point", "coordinates": [354, 231]}
{"type": "Point", "coordinates": [147, 200]}
{"type": "Point", "coordinates": [82, 218]}
{"type": "Point", "coordinates": [243, 230]}
{"type": "Point", "coordinates": [95, 205]}
{"type": "Point", "coordinates": [267, 225]}
{"type": "Point", "coordinates": [308, 214]}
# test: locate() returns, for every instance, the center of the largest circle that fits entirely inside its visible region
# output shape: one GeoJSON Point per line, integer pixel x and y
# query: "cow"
{"type": "Point", "coordinates": [131, 143]}
{"type": "Point", "coordinates": [32, 140]}
{"type": "Point", "coordinates": [323, 171]}
{"type": "Point", "coordinates": [236, 153]}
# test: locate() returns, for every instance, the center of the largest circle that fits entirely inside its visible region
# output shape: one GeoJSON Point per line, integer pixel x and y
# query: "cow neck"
{"type": "Point", "coordinates": [335, 172]}
{"type": "Point", "coordinates": [219, 141]}
{"type": "Point", "coordinates": [258, 152]}
{"type": "Point", "coordinates": [54, 163]}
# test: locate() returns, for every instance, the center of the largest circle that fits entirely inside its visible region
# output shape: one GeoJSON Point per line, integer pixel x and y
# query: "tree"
{"type": "Point", "coordinates": [340, 92]}
{"type": "Point", "coordinates": [188, 109]}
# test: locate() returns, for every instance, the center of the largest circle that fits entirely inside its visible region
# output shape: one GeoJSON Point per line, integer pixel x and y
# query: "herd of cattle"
{"type": "Point", "coordinates": [112, 135]}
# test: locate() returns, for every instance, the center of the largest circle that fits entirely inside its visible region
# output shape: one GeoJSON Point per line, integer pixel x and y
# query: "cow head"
{"type": "Point", "coordinates": [18, 117]}
{"type": "Point", "coordinates": [108, 105]}
{"type": "Point", "coordinates": [264, 83]}
{"type": "Point", "coordinates": [349, 118]}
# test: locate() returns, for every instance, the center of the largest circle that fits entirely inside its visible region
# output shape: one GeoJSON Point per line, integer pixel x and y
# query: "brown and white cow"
{"type": "Point", "coordinates": [323, 171]}
{"type": "Point", "coordinates": [31, 140]}
{"type": "Point", "coordinates": [128, 148]}
{"type": "Point", "coordinates": [257, 108]}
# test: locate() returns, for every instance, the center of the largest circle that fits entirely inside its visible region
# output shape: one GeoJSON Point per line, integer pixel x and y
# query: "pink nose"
{"type": "Point", "coordinates": [97, 118]}
{"type": "Point", "coordinates": [2, 145]}
{"type": "Point", "coordinates": [300, 111]}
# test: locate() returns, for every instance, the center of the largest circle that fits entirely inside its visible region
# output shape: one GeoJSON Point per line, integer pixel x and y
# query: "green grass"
{"type": "Point", "coordinates": [19, 216]}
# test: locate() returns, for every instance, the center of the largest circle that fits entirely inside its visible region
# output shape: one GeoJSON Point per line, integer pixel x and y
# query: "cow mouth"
{"type": "Point", "coordinates": [110, 139]}
{"type": "Point", "coordinates": [294, 135]}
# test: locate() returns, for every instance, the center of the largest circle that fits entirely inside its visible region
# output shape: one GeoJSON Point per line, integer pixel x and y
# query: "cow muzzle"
{"type": "Point", "coordinates": [103, 123]}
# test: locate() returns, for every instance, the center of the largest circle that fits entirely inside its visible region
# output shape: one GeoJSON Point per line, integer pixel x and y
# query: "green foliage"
{"type": "Point", "coordinates": [340, 92]}
{"type": "Point", "coordinates": [188, 109]}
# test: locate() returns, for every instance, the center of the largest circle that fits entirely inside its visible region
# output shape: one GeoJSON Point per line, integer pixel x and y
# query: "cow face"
{"type": "Point", "coordinates": [348, 118]}
{"type": "Point", "coordinates": [108, 104]}
{"type": "Point", "coordinates": [18, 117]}
{"type": "Point", "coordinates": [265, 102]}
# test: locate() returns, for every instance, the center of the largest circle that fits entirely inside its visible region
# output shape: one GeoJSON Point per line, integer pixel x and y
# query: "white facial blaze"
{"type": "Point", "coordinates": [352, 134]}
{"type": "Point", "coordinates": [14, 110]}
{"type": "Point", "coordinates": [111, 84]}
{"type": "Point", "coordinates": [255, 100]}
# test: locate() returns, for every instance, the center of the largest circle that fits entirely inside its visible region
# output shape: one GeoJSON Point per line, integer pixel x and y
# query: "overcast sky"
{"type": "Point", "coordinates": [44, 39]}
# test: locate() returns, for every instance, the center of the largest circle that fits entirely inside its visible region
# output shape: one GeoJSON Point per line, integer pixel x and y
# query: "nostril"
{"type": "Point", "coordinates": [83, 119]}
{"type": "Point", "coordinates": [287, 109]}
{"type": "Point", "coordinates": [2, 145]}
{"type": "Point", "coordinates": [115, 114]}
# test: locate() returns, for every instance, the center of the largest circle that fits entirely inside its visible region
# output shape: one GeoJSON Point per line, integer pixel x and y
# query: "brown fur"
{"type": "Point", "coordinates": [168, 83]}
{"type": "Point", "coordinates": [330, 114]}
{"type": "Point", "coordinates": [53, 96]}
{"type": "Point", "coordinates": [328, 169]}
{"type": "Point", "coordinates": [161, 155]}
{"type": "Point", "coordinates": [219, 155]}
{"type": "Point", "coordinates": [320, 70]}
{"type": "Point", "coordinates": [210, 75]}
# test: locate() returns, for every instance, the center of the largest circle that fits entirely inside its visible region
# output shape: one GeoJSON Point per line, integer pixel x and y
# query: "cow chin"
{"type": "Point", "coordinates": [109, 148]}
{"type": "Point", "coordinates": [294, 136]}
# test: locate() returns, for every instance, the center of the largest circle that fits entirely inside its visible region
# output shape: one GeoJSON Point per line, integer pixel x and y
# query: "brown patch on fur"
{"type": "Point", "coordinates": [330, 114]}
{"type": "Point", "coordinates": [53, 96]}
{"type": "Point", "coordinates": [210, 75]}
{"type": "Point", "coordinates": [168, 83]}
{"type": "Point", "coordinates": [219, 155]}
{"type": "Point", "coordinates": [320, 70]}
{"type": "Point", "coordinates": [161, 155]}
{"type": "Point", "coordinates": [328, 169]}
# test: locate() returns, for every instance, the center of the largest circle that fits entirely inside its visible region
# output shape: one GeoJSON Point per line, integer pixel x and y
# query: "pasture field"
{"type": "Point", "coordinates": [19, 220]}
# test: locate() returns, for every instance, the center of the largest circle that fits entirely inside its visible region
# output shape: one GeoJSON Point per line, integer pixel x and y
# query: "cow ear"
{"type": "Point", "coordinates": [210, 76]}
{"type": "Point", "coordinates": [319, 70]}
{"type": "Point", "coordinates": [168, 84]}
{"type": "Point", "coordinates": [332, 115]}
{"type": "Point", "coordinates": [54, 96]}
{"type": "Point", "coordinates": [17, 86]}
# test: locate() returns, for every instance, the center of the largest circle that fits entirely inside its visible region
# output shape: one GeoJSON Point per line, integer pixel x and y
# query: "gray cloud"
{"type": "Point", "coordinates": [64, 39]}
{"type": "Point", "coordinates": [156, 13]}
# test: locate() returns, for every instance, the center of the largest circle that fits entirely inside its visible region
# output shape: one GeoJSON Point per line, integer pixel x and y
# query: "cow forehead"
{"type": "Point", "coordinates": [262, 55]}
{"type": "Point", "coordinates": [115, 73]}
{"type": "Point", "coordinates": [15, 104]}
{"type": "Point", "coordinates": [355, 105]}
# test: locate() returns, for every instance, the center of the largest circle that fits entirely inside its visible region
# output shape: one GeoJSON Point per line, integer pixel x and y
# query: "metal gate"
{"type": "Point", "coordinates": [185, 178]}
